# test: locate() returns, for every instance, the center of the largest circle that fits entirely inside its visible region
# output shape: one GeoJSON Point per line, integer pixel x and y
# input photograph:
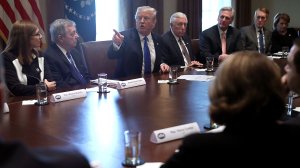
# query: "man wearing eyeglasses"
{"type": "Point", "coordinates": [256, 36]}
{"type": "Point", "coordinates": [65, 62]}
{"type": "Point", "coordinates": [138, 49]}
{"type": "Point", "coordinates": [221, 39]}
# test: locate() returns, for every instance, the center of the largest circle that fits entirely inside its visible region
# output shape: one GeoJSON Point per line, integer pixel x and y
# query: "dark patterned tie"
{"type": "Point", "coordinates": [184, 51]}
{"type": "Point", "coordinates": [147, 58]}
{"type": "Point", "coordinates": [261, 42]}
{"type": "Point", "coordinates": [76, 73]}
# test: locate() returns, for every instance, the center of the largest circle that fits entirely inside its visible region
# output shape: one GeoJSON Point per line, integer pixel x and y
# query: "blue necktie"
{"type": "Point", "coordinates": [147, 59]}
{"type": "Point", "coordinates": [74, 69]}
{"type": "Point", "coordinates": [261, 42]}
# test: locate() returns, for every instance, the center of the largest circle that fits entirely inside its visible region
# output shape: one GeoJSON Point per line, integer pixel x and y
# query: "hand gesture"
{"type": "Point", "coordinates": [117, 38]}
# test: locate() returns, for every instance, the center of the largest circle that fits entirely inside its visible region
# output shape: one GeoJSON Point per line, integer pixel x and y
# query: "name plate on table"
{"type": "Point", "coordinates": [130, 83]}
{"type": "Point", "coordinates": [172, 133]}
{"type": "Point", "coordinates": [5, 108]}
{"type": "Point", "coordinates": [63, 96]}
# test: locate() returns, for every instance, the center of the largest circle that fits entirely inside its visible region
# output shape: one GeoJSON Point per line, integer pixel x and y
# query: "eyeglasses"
{"type": "Point", "coordinates": [38, 34]}
{"type": "Point", "coordinates": [261, 17]}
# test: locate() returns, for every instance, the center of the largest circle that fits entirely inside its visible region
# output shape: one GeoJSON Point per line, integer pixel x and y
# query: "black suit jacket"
{"type": "Point", "coordinates": [15, 155]}
{"type": "Point", "coordinates": [60, 66]}
{"type": "Point", "coordinates": [33, 73]}
{"type": "Point", "coordinates": [248, 145]}
{"type": "Point", "coordinates": [210, 42]}
{"type": "Point", "coordinates": [130, 54]}
{"type": "Point", "coordinates": [171, 51]}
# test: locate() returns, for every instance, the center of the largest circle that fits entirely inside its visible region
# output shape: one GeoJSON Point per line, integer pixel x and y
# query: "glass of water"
{"type": "Point", "coordinates": [102, 82]}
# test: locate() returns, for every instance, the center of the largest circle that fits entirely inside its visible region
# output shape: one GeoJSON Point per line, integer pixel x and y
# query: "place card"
{"type": "Point", "coordinates": [5, 108]}
{"type": "Point", "coordinates": [131, 83]}
{"type": "Point", "coordinates": [63, 96]}
{"type": "Point", "coordinates": [173, 133]}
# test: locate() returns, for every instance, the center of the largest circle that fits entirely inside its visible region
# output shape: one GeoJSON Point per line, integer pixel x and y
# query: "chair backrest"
{"type": "Point", "coordinates": [95, 54]}
{"type": "Point", "coordinates": [196, 50]}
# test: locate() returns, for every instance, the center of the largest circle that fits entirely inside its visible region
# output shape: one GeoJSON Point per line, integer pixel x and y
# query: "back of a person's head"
{"type": "Point", "coordinates": [247, 88]}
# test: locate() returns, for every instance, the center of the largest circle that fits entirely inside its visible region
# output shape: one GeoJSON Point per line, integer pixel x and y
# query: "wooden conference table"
{"type": "Point", "coordinates": [95, 124]}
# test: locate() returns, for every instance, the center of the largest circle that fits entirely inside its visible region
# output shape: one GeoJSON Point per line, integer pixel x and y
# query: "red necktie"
{"type": "Point", "coordinates": [223, 41]}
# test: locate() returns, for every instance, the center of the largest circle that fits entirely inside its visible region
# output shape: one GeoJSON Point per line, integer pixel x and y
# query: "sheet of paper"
{"type": "Point", "coordinates": [200, 70]}
{"type": "Point", "coordinates": [203, 78]}
{"type": "Point", "coordinates": [162, 81]}
{"type": "Point", "coordinates": [150, 165]}
{"type": "Point", "coordinates": [28, 102]}
{"type": "Point", "coordinates": [297, 109]}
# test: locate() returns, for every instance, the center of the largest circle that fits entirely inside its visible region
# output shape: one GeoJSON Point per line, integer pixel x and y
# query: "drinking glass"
{"type": "Point", "coordinates": [41, 94]}
{"type": "Point", "coordinates": [102, 82]}
{"type": "Point", "coordinates": [132, 148]}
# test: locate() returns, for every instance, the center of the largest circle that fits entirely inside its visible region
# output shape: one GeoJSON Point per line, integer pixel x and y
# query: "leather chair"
{"type": "Point", "coordinates": [95, 54]}
{"type": "Point", "coordinates": [196, 51]}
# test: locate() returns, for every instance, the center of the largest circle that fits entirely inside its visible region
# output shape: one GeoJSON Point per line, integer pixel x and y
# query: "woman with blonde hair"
{"type": "Point", "coordinates": [24, 64]}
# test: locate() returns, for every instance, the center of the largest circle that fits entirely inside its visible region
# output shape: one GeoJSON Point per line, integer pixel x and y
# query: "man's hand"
{"type": "Point", "coordinates": [164, 68]}
{"type": "Point", "coordinates": [117, 38]}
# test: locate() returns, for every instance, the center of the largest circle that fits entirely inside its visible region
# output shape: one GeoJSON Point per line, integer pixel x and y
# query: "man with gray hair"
{"type": "Point", "coordinates": [256, 36]}
{"type": "Point", "coordinates": [138, 49]}
{"type": "Point", "coordinates": [221, 39]}
{"type": "Point", "coordinates": [177, 47]}
{"type": "Point", "coordinates": [64, 60]}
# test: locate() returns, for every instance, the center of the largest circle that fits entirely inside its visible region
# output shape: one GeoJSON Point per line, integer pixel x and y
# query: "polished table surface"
{"type": "Point", "coordinates": [95, 124]}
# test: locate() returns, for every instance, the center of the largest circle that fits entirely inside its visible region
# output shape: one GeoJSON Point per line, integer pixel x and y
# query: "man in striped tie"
{"type": "Point", "coordinates": [138, 49]}
{"type": "Point", "coordinates": [65, 62]}
{"type": "Point", "coordinates": [177, 44]}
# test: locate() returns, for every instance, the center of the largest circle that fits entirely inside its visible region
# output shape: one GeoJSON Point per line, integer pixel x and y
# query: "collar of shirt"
{"type": "Point", "coordinates": [220, 32]}
{"type": "Point", "coordinates": [142, 37]}
{"type": "Point", "coordinates": [176, 37]}
{"type": "Point", "coordinates": [257, 29]}
{"type": "Point", "coordinates": [62, 50]}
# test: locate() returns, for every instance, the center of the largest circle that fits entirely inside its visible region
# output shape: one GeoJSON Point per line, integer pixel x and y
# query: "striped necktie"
{"type": "Point", "coordinates": [76, 73]}
{"type": "Point", "coordinates": [184, 51]}
{"type": "Point", "coordinates": [261, 42]}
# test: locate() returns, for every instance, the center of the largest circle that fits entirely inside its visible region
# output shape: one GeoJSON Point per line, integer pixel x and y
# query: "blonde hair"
{"type": "Point", "coordinates": [247, 87]}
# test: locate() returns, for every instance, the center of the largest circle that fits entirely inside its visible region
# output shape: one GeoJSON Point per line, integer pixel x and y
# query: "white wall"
{"type": "Point", "coordinates": [290, 7]}
{"type": "Point", "coordinates": [170, 7]}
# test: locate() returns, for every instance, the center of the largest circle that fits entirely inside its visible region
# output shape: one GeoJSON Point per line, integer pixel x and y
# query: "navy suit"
{"type": "Point", "coordinates": [249, 38]}
{"type": "Point", "coordinates": [171, 50]}
{"type": "Point", "coordinates": [130, 54]}
{"type": "Point", "coordinates": [60, 66]}
{"type": "Point", "coordinates": [210, 42]}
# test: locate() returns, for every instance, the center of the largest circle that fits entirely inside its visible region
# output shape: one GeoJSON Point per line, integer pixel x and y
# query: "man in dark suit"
{"type": "Point", "coordinates": [256, 36]}
{"type": "Point", "coordinates": [177, 44]}
{"type": "Point", "coordinates": [138, 49]}
{"type": "Point", "coordinates": [65, 62]}
{"type": "Point", "coordinates": [222, 39]}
